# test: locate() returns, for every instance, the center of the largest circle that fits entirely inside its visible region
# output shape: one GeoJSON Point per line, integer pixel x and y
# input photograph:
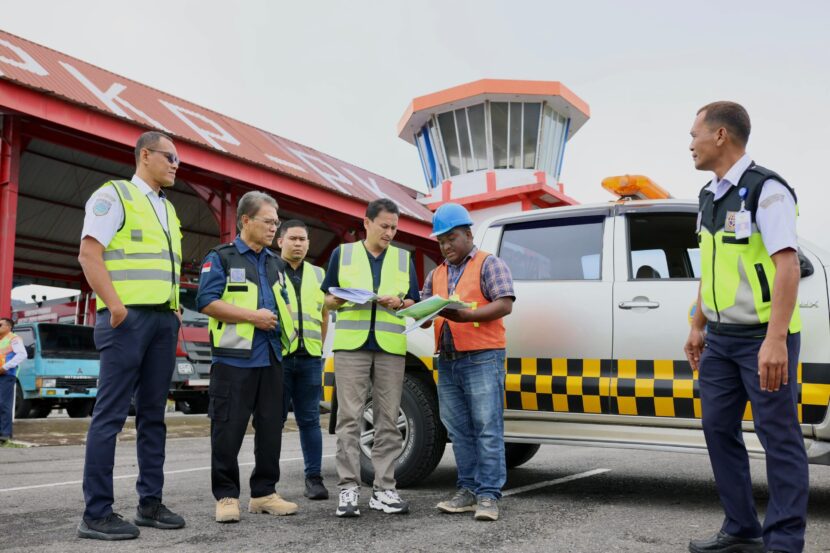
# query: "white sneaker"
{"type": "Point", "coordinates": [348, 503]}
{"type": "Point", "coordinates": [388, 501]}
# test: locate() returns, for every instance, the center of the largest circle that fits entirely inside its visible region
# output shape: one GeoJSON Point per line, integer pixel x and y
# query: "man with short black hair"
{"type": "Point", "coordinates": [12, 353]}
{"type": "Point", "coordinates": [302, 362]}
{"type": "Point", "coordinates": [748, 307]}
{"type": "Point", "coordinates": [370, 348]}
{"type": "Point", "coordinates": [131, 256]}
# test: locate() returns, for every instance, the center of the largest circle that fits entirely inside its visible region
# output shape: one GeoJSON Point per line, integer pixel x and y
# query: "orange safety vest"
{"type": "Point", "coordinates": [468, 336]}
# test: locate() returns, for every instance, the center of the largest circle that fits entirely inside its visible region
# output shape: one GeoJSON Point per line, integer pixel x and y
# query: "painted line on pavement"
{"type": "Point", "coordinates": [123, 476]}
{"type": "Point", "coordinates": [546, 483]}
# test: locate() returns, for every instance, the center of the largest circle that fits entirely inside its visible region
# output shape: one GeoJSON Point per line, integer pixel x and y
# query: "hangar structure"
{"type": "Point", "coordinates": [68, 127]}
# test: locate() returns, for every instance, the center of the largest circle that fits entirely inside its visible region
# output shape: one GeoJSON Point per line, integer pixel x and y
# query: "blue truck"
{"type": "Point", "coordinates": [61, 371]}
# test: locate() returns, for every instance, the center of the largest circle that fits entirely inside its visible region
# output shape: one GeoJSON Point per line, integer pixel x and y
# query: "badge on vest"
{"type": "Point", "coordinates": [743, 224]}
{"type": "Point", "coordinates": [237, 275]}
{"type": "Point", "coordinates": [729, 225]}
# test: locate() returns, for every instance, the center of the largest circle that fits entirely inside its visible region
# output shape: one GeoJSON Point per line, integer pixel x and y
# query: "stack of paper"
{"type": "Point", "coordinates": [354, 295]}
{"type": "Point", "coordinates": [428, 309]}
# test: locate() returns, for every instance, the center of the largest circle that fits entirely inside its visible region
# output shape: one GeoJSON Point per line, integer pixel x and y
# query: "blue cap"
{"type": "Point", "coordinates": [449, 216]}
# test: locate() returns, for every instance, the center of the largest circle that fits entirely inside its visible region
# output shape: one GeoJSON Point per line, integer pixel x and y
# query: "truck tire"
{"type": "Point", "coordinates": [40, 410]}
{"type": "Point", "coordinates": [424, 437]}
{"type": "Point", "coordinates": [518, 454]}
{"type": "Point", "coordinates": [80, 409]}
{"type": "Point", "coordinates": [21, 406]}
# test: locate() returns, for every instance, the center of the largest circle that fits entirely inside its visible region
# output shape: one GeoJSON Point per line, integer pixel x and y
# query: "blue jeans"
{"type": "Point", "coordinates": [7, 382]}
{"type": "Point", "coordinates": [302, 386]}
{"type": "Point", "coordinates": [471, 401]}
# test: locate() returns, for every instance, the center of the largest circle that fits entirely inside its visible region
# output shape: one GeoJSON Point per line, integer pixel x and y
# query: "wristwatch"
{"type": "Point", "coordinates": [403, 302]}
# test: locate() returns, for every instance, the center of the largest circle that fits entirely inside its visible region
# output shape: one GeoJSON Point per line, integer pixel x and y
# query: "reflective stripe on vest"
{"type": "Point", "coordinates": [237, 339]}
{"type": "Point", "coordinates": [7, 351]}
{"type": "Point", "coordinates": [737, 274]}
{"type": "Point", "coordinates": [468, 336]}
{"type": "Point", "coordinates": [143, 260]}
{"type": "Point", "coordinates": [312, 303]}
{"type": "Point", "coordinates": [355, 321]}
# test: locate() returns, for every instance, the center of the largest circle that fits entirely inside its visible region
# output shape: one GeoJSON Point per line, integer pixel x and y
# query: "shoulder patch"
{"type": "Point", "coordinates": [102, 206]}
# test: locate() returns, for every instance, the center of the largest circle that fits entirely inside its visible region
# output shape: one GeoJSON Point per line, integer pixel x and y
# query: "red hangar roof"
{"type": "Point", "coordinates": [47, 84]}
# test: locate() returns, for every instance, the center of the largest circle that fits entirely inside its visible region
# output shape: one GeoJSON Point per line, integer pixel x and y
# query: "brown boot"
{"type": "Point", "coordinates": [227, 510]}
{"type": "Point", "coordinates": [272, 504]}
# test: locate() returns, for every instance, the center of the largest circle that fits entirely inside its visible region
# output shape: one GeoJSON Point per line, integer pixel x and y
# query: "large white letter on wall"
{"type": "Point", "coordinates": [211, 136]}
{"type": "Point", "coordinates": [25, 61]}
{"type": "Point", "coordinates": [111, 99]}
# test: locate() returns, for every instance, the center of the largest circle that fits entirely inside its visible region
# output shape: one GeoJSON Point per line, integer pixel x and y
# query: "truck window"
{"type": "Point", "coordinates": [663, 246]}
{"type": "Point", "coordinates": [554, 249]}
{"type": "Point", "coordinates": [67, 341]}
{"type": "Point", "coordinates": [27, 335]}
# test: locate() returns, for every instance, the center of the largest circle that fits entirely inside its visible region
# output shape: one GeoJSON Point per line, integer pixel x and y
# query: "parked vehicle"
{"type": "Point", "coordinates": [605, 295]}
{"type": "Point", "coordinates": [61, 371]}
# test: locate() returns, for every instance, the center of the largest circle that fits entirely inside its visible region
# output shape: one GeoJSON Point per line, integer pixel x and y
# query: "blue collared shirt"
{"type": "Point", "coordinates": [212, 286]}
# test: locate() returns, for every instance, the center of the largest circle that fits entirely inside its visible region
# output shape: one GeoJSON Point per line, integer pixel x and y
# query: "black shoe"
{"type": "Point", "coordinates": [724, 543]}
{"type": "Point", "coordinates": [314, 488]}
{"type": "Point", "coordinates": [155, 514]}
{"type": "Point", "coordinates": [4, 439]}
{"type": "Point", "coordinates": [112, 527]}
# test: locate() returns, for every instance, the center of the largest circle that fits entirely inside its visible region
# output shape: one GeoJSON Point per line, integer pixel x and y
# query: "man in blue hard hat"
{"type": "Point", "coordinates": [471, 346]}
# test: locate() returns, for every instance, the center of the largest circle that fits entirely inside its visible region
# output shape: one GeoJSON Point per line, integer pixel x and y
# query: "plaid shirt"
{"type": "Point", "coordinates": [496, 282]}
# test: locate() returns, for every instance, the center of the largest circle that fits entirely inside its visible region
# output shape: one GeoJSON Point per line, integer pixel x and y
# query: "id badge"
{"type": "Point", "coordinates": [237, 275]}
{"type": "Point", "coordinates": [743, 224]}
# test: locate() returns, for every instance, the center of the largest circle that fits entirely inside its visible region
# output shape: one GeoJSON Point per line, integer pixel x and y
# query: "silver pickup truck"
{"type": "Point", "coordinates": [605, 295]}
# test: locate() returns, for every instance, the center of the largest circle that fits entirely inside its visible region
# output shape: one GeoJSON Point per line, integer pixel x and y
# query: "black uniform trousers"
{"type": "Point", "coordinates": [728, 378]}
{"type": "Point", "coordinates": [137, 359]}
{"type": "Point", "coordinates": [236, 393]}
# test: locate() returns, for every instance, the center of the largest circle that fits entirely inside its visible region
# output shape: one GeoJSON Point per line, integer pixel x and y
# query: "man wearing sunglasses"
{"type": "Point", "coordinates": [131, 256]}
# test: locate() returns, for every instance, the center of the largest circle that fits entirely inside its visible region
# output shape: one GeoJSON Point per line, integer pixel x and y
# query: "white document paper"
{"type": "Point", "coordinates": [354, 295]}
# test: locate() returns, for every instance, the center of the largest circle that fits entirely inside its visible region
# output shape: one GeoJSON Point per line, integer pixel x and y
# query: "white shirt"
{"type": "Point", "coordinates": [105, 214]}
{"type": "Point", "coordinates": [776, 213]}
{"type": "Point", "coordinates": [20, 354]}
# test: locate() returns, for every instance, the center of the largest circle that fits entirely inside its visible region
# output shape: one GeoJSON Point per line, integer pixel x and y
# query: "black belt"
{"type": "Point", "coordinates": [455, 355]}
{"type": "Point", "coordinates": [160, 307]}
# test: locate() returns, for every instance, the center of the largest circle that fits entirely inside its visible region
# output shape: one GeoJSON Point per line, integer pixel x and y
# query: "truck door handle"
{"type": "Point", "coordinates": [639, 302]}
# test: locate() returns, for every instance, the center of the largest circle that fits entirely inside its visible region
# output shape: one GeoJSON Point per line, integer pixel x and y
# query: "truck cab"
{"type": "Point", "coordinates": [61, 371]}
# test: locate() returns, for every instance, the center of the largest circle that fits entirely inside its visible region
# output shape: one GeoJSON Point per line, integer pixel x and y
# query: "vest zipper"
{"type": "Point", "coordinates": [169, 246]}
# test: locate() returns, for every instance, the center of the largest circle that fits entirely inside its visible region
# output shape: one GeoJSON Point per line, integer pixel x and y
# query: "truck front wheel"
{"type": "Point", "coordinates": [80, 408]}
{"type": "Point", "coordinates": [21, 406]}
{"type": "Point", "coordinates": [424, 437]}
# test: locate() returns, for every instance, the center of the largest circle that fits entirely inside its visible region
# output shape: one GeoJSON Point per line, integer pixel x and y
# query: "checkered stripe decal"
{"type": "Point", "coordinates": [657, 388]}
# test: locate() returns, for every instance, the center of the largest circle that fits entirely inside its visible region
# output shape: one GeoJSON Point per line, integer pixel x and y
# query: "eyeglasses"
{"type": "Point", "coordinates": [171, 157]}
{"type": "Point", "coordinates": [269, 222]}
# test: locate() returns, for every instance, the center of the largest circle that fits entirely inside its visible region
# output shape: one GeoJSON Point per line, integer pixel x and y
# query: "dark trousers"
{"type": "Point", "coordinates": [235, 394]}
{"type": "Point", "coordinates": [6, 404]}
{"type": "Point", "coordinates": [137, 358]}
{"type": "Point", "coordinates": [728, 378]}
{"type": "Point", "coordinates": [303, 386]}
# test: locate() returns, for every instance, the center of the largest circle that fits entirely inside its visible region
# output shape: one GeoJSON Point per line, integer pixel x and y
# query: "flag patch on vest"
{"type": "Point", "coordinates": [729, 225]}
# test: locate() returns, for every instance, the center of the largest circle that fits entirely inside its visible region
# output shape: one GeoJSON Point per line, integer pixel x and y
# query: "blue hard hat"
{"type": "Point", "coordinates": [449, 216]}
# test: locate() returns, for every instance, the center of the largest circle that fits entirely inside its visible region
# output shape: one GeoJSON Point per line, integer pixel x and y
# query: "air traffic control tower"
{"type": "Point", "coordinates": [494, 145]}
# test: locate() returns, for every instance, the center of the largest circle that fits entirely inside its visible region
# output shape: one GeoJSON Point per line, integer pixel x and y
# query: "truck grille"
{"type": "Point", "coordinates": [82, 381]}
{"type": "Point", "coordinates": [199, 352]}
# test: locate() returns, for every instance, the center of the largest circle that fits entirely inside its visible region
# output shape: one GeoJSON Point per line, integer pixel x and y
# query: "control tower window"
{"type": "Point", "coordinates": [515, 134]}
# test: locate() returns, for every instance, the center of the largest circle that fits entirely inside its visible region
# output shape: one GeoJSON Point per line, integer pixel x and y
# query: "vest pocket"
{"type": "Point", "coordinates": [762, 280]}
{"type": "Point", "coordinates": [732, 240]}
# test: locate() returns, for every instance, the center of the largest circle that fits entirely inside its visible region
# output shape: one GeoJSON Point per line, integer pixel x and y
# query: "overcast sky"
{"type": "Point", "coordinates": [337, 76]}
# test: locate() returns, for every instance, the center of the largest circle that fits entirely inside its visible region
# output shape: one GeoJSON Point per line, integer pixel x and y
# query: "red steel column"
{"type": "Point", "coordinates": [9, 175]}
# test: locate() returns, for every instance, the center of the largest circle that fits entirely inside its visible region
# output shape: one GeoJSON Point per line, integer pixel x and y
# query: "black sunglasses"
{"type": "Point", "coordinates": [172, 158]}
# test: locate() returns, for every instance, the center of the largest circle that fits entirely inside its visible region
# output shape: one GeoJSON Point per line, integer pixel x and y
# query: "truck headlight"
{"type": "Point", "coordinates": [46, 383]}
{"type": "Point", "coordinates": [185, 368]}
